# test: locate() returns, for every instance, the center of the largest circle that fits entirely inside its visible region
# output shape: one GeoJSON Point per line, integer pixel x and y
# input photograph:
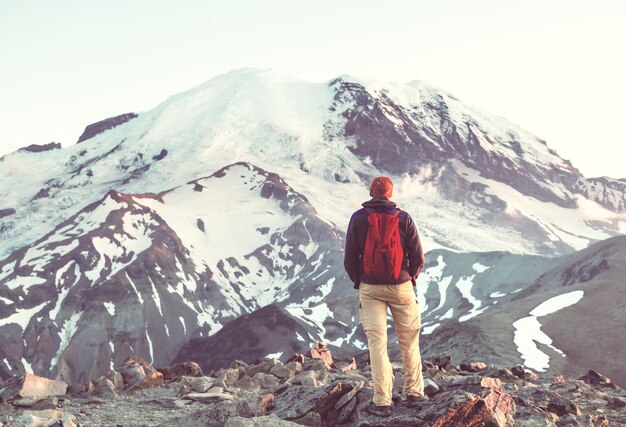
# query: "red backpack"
{"type": "Point", "coordinates": [383, 255]}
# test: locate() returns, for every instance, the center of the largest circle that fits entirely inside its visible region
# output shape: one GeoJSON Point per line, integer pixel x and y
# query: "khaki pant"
{"type": "Point", "coordinates": [406, 318]}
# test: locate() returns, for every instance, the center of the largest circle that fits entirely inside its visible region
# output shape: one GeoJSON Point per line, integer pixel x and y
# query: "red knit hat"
{"type": "Point", "coordinates": [381, 187]}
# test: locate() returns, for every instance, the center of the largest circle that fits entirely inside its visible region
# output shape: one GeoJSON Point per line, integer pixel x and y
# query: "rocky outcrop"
{"type": "Point", "coordinates": [104, 125]}
{"type": "Point", "coordinates": [37, 148]}
{"type": "Point", "coordinates": [268, 330]}
{"type": "Point", "coordinates": [490, 396]}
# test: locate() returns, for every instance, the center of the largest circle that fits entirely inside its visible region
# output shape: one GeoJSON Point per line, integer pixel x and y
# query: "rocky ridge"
{"type": "Point", "coordinates": [311, 390]}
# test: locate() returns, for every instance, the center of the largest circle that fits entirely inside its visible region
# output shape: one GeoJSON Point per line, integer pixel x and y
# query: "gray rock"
{"type": "Point", "coordinates": [547, 400]}
{"type": "Point", "coordinates": [6, 408]}
{"type": "Point", "coordinates": [265, 367]}
{"type": "Point", "coordinates": [248, 384]}
{"type": "Point", "coordinates": [346, 411]}
{"type": "Point", "coordinates": [219, 414]}
{"type": "Point", "coordinates": [430, 387]}
{"type": "Point", "coordinates": [312, 419]}
{"type": "Point", "coordinates": [104, 388]}
{"type": "Point", "coordinates": [282, 371]}
{"type": "Point", "coordinates": [265, 421]}
{"type": "Point", "coordinates": [314, 365]}
{"type": "Point", "coordinates": [349, 395]}
{"type": "Point", "coordinates": [47, 403]}
{"type": "Point", "coordinates": [266, 381]}
{"type": "Point", "coordinates": [294, 366]}
{"type": "Point", "coordinates": [24, 402]}
{"type": "Point", "coordinates": [116, 378]}
{"type": "Point", "coordinates": [229, 376]}
{"type": "Point", "coordinates": [197, 384]}
{"type": "Point", "coordinates": [583, 421]}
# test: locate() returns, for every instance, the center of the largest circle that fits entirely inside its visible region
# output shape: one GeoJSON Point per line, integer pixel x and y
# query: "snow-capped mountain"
{"type": "Point", "coordinates": [455, 166]}
{"type": "Point", "coordinates": [163, 226]}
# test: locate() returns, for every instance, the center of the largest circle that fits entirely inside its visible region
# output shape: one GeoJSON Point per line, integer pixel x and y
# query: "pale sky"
{"type": "Point", "coordinates": [555, 67]}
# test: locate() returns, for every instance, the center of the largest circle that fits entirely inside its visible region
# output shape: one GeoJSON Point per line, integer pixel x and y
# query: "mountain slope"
{"type": "Point", "coordinates": [568, 317]}
{"type": "Point", "coordinates": [135, 274]}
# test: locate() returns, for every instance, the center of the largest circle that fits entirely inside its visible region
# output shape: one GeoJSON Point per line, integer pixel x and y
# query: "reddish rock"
{"type": "Point", "coordinates": [558, 379]}
{"type": "Point", "coordinates": [139, 374]}
{"type": "Point", "coordinates": [495, 408]}
{"type": "Point", "coordinates": [267, 401]}
{"type": "Point", "coordinates": [321, 351]}
{"type": "Point", "coordinates": [29, 385]}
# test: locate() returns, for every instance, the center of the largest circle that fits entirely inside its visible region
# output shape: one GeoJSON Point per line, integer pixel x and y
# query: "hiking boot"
{"type": "Point", "coordinates": [381, 411]}
{"type": "Point", "coordinates": [413, 401]}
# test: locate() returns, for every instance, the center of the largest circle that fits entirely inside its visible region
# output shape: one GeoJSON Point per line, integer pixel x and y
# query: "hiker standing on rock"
{"type": "Point", "coordinates": [383, 257]}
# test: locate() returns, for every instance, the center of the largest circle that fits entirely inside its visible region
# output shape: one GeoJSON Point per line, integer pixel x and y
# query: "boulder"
{"type": "Point", "coordinates": [116, 378]}
{"type": "Point", "coordinates": [440, 362]}
{"type": "Point", "coordinates": [248, 384]}
{"type": "Point", "coordinates": [188, 369]}
{"type": "Point", "coordinates": [47, 403]}
{"type": "Point", "coordinates": [265, 367]}
{"type": "Point", "coordinates": [473, 366]}
{"type": "Point", "coordinates": [597, 379]}
{"type": "Point", "coordinates": [266, 381]}
{"type": "Point", "coordinates": [583, 421]}
{"type": "Point", "coordinates": [349, 395]}
{"type": "Point", "coordinates": [546, 400]}
{"type": "Point", "coordinates": [5, 408]}
{"type": "Point", "coordinates": [461, 408]}
{"type": "Point", "coordinates": [519, 372]}
{"type": "Point", "coordinates": [297, 401]}
{"type": "Point", "coordinates": [282, 371]}
{"type": "Point", "coordinates": [312, 419]}
{"type": "Point", "coordinates": [139, 374]}
{"type": "Point", "coordinates": [229, 376]}
{"type": "Point", "coordinates": [617, 403]}
{"type": "Point", "coordinates": [197, 384]}
{"type": "Point", "coordinates": [320, 351]}
{"type": "Point", "coordinates": [29, 385]}
{"type": "Point", "coordinates": [430, 387]}
{"type": "Point", "coordinates": [219, 414]}
{"type": "Point", "coordinates": [104, 388]}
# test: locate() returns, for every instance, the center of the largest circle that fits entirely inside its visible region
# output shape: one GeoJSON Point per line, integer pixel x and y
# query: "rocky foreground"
{"type": "Point", "coordinates": [311, 390]}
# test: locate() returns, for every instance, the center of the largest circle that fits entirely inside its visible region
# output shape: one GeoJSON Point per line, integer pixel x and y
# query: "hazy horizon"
{"type": "Point", "coordinates": [554, 69]}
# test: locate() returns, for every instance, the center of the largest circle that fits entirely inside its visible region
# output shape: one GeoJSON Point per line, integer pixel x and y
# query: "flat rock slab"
{"type": "Point", "coordinates": [208, 397]}
{"type": "Point", "coordinates": [29, 385]}
{"type": "Point", "coordinates": [266, 421]}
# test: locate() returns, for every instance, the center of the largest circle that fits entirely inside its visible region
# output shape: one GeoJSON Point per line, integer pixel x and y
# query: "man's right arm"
{"type": "Point", "coordinates": [352, 256]}
{"type": "Point", "coordinates": [414, 250]}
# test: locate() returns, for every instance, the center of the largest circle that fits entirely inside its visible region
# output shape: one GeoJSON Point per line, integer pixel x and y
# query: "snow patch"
{"type": "Point", "coordinates": [66, 333]}
{"type": "Point", "coordinates": [22, 316]}
{"type": "Point", "coordinates": [528, 331]}
{"type": "Point", "coordinates": [276, 355]}
{"type": "Point", "coordinates": [110, 308]}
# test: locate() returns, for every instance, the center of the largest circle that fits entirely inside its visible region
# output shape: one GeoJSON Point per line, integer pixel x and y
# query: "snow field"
{"type": "Point", "coordinates": [528, 330]}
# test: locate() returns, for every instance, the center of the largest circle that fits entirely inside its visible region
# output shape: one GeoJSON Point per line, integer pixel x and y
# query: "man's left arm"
{"type": "Point", "coordinates": [352, 260]}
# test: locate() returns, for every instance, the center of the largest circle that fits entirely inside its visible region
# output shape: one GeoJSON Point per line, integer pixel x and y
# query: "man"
{"type": "Point", "coordinates": [380, 289]}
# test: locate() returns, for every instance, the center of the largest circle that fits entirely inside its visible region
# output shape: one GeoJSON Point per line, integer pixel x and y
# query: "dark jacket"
{"type": "Point", "coordinates": [355, 244]}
